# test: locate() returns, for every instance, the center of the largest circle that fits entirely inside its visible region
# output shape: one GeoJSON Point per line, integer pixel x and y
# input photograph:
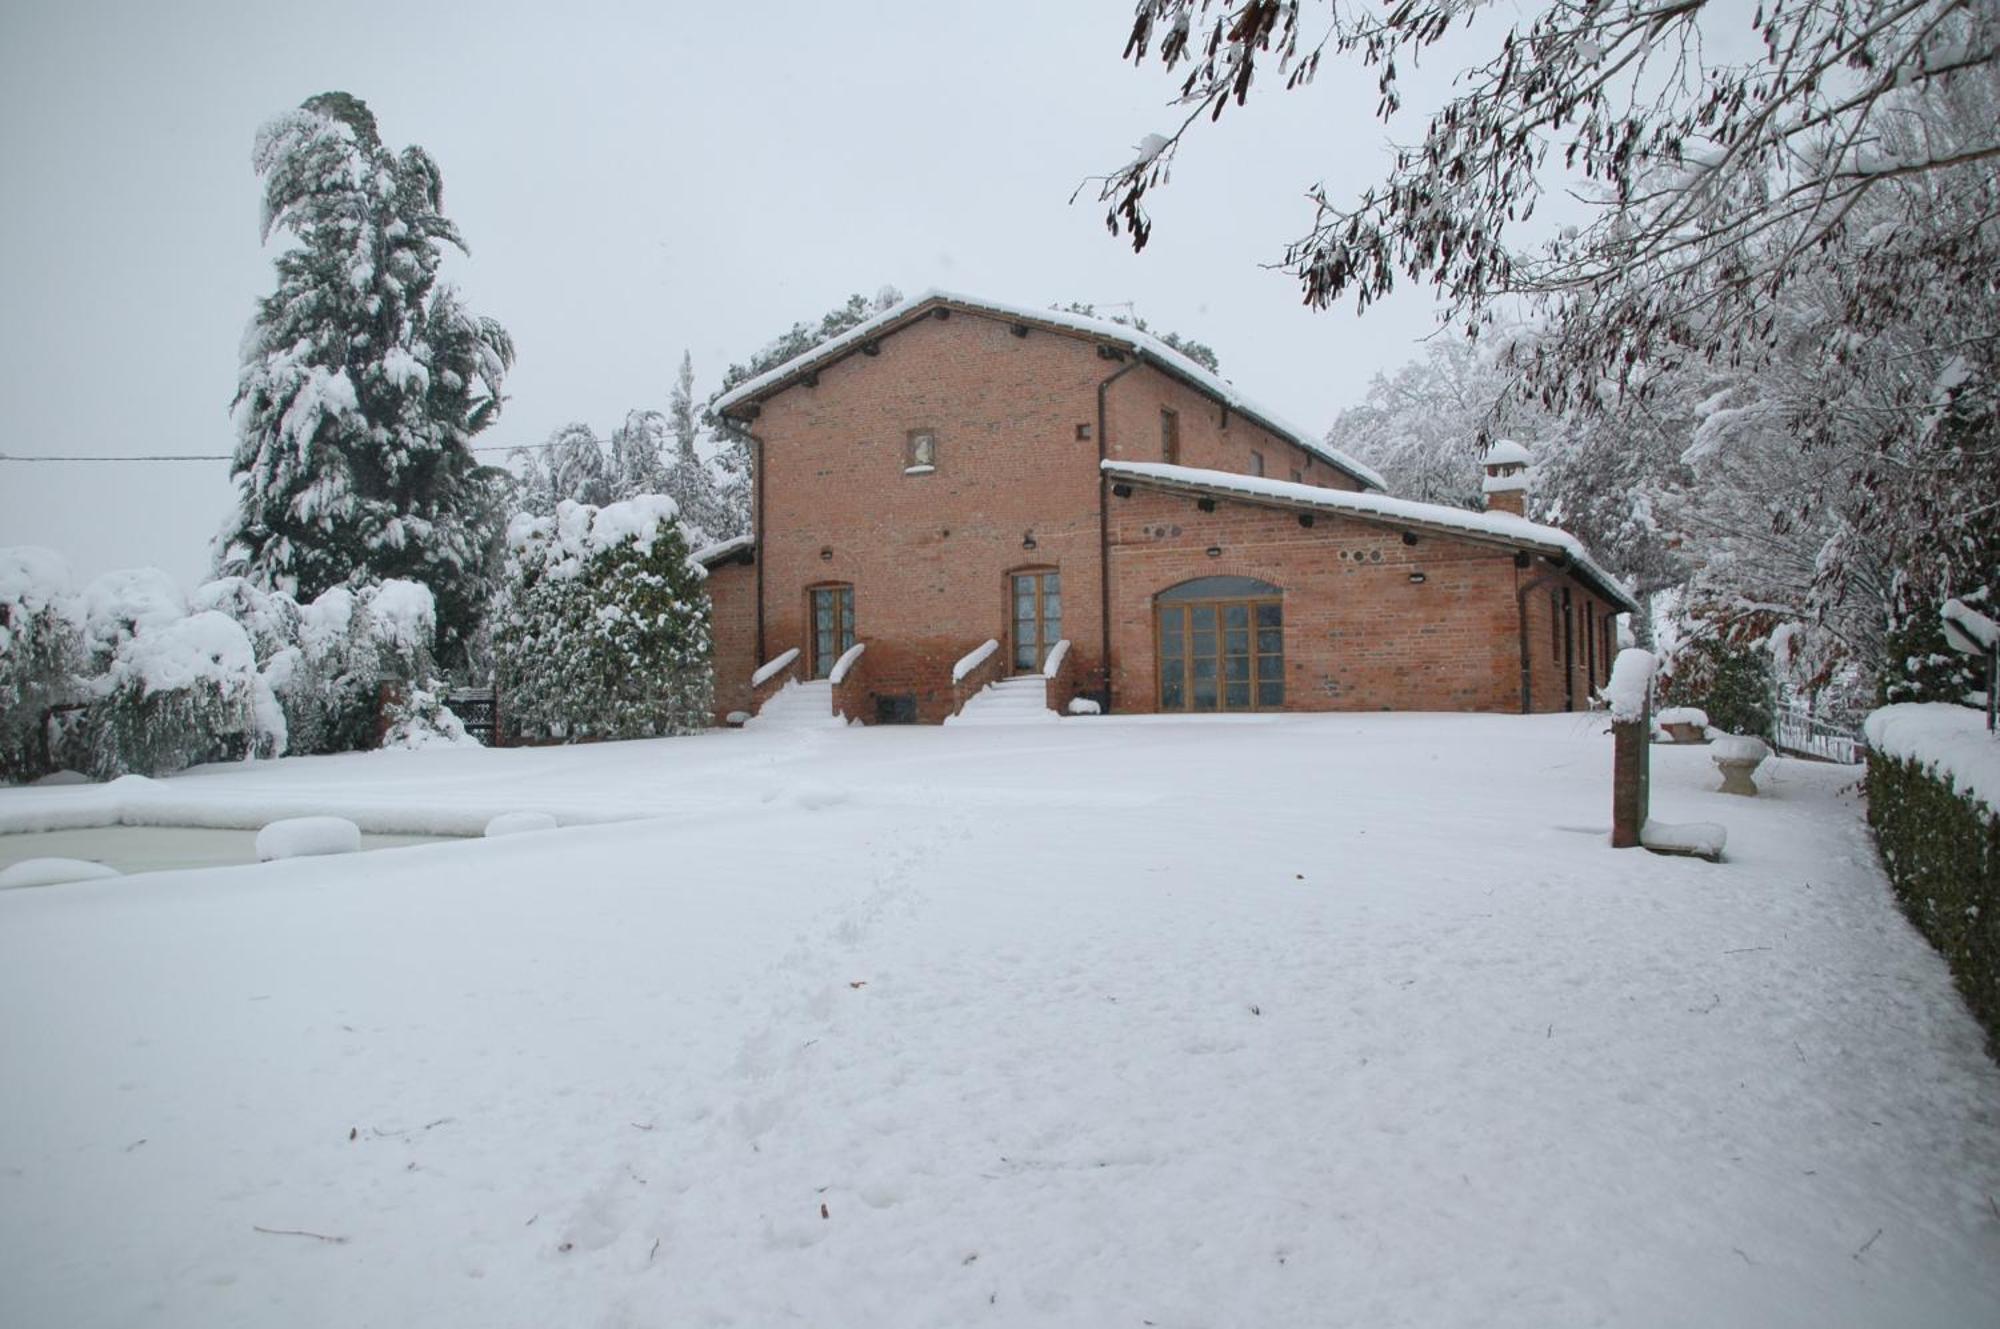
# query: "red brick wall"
{"type": "Point", "coordinates": [928, 555]}
{"type": "Point", "coordinates": [732, 597]}
{"type": "Point", "coordinates": [1132, 411]}
{"type": "Point", "coordinates": [1359, 634]}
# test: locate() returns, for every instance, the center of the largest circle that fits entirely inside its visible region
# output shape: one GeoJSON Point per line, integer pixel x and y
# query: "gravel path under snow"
{"type": "Point", "coordinates": [1342, 1020]}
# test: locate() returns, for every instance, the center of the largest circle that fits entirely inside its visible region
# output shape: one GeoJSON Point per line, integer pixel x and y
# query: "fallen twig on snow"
{"type": "Point", "coordinates": [1866, 1244]}
{"type": "Point", "coordinates": [299, 1232]}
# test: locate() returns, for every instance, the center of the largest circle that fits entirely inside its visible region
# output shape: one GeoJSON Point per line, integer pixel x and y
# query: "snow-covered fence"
{"type": "Point", "coordinates": [478, 709]}
{"type": "Point", "coordinates": [1804, 734]}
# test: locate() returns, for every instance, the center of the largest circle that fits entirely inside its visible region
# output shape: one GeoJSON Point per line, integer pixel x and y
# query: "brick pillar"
{"type": "Point", "coordinates": [1631, 778]}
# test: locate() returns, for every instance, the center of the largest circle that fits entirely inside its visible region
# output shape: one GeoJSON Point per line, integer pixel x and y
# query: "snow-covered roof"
{"type": "Point", "coordinates": [1506, 452]}
{"type": "Point", "coordinates": [1493, 527]}
{"type": "Point", "coordinates": [1143, 345]}
{"type": "Point", "coordinates": [709, 555]}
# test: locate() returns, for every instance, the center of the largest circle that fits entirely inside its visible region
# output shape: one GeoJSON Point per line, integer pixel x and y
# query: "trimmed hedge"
{"type": "Point", "coordinates": [1942, 851]}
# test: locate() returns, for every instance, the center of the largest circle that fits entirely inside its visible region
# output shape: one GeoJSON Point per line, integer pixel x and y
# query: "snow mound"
{"type": "Point", "coordinates": [1699, 839]}
{"type": "Point", "coordinates": [1693, 715]}
{"type": "Point", "coordinates": [817, 797]}
{"type": "Point", "coordinates": [53, 872]}
{"type": "Point", "coordinates": [1631, 683]}
{"type": "Point", "coordinates": [305, 837]}
{"type": "Point", "coordinates": [1083, 706]}
{"type": "Point", "coordinates": [520, 823]}
{"type": "Point", "coordinates": [1737, 747]}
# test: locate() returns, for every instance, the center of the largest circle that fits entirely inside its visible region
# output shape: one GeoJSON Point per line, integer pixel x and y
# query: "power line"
{"type": "Point", "coordinates": [223, 456]}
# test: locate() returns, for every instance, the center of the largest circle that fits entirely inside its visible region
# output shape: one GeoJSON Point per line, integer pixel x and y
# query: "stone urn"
{"type": "Point", "coordinates": [1738, 759]}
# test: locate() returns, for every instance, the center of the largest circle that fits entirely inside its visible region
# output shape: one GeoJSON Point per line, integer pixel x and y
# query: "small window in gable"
{"type": "Point", "coordinates": [1256, 463]}
{"type": "Point", "coordinates": [1298, 476]}
{"type": "Point", "coordinates": [1170, 437]}
{"type": "Point", "coordinates": [920, 458]}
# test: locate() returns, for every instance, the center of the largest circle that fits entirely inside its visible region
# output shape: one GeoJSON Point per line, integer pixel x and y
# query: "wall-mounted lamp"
{"type": "Point", "coordinates": [1027, 539]}
{"type": "Point", "coordinates": [1122, 491]}
{"type": "Point", "coordinates": [1214, 551]}
{"type": "Point", "coordinates": [826, 554]}
{"type": "Point", "coordinates": [1205, 504]}
{"type": "Point", "coordinates": [1306, 520]}
{"type": "Point", "coordinates": [1409, 537]}
{"type": "Point", "coordinates": [1416, 579]}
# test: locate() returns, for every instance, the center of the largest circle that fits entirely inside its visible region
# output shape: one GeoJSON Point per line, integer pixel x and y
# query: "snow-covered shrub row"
{"type": "Point", "coordinates": [603, 628]}
{"type": "Point", "coordinates": [1933, 791]}
{"type": "Point", "coordinates": [165, 680]}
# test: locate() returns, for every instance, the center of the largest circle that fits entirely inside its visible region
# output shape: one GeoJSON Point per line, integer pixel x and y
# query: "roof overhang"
{"type": "Point", "coordinates": [1498, 530]}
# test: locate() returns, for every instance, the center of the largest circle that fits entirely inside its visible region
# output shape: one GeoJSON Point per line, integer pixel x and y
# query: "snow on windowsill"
{"type": "Point", "coordinates": [920, 470]}
{"type": "Point", "coordinates": [773, 668]}
{"type": "Point", "coordinates": [972, 659]}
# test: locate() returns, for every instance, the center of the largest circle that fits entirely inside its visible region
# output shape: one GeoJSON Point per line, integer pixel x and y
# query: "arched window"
{"type": "Point", "coordinates": [1221, 645]}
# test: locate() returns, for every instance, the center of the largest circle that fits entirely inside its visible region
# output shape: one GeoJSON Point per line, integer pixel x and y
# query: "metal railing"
{"type": "Point", "coordinates": [1804, 734]}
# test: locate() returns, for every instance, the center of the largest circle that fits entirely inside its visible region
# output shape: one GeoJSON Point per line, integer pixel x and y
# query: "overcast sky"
{"type": "Point", "coordinates": [633, 180]}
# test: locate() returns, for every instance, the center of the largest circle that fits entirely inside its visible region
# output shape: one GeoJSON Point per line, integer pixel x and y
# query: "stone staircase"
{"type": "Point", "coordinates": [1021, 700]}
{"type": "Point", "coordinates": [797, 706]}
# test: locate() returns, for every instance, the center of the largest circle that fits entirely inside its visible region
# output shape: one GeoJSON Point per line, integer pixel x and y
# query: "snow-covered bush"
{"type": "Point", "coordinates": [174, 693]}
{"type": "Point", "coordinates": [604, 628]}
{"type": "Point", "coordinates": [349, 643]}
{"type": "Point", "coordinates": [40, 653]}
{"type": "Point", "coordinates": [419, 718]}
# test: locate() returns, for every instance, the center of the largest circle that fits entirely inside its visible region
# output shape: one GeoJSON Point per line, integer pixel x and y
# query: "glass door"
{"type": "Point", "coordinates": [1037, 618]}
{"type": "Point", "coordinates": [833, 626]}
{"type": "Point", "coordinates": [1222, 655]}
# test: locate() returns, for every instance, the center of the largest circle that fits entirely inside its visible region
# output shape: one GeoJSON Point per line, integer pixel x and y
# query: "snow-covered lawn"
{"type": "Point", "coordinates": [1300, 1021]}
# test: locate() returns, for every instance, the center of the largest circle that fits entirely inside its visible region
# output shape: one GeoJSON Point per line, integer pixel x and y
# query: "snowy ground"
{"type": "Point", "coordinates": [1311, 1021]}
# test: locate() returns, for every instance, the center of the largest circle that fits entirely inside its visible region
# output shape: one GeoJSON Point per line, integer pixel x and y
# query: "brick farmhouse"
{"type": "Point", "coordinates": [1120, 522]}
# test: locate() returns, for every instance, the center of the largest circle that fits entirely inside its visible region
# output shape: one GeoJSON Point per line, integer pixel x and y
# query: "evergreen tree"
{"type": "Point", "coordinates": [691, 482]}
{"type": "Point", "coordinates": [604, 632]}
{"type": "Point", "coordinates": [364, 380]}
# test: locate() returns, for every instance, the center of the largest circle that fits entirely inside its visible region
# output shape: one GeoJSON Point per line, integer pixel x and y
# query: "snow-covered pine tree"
{"type": "Point", "coordinates": [691, 482]}
{"type": "Point", "coordinates": [604, 631]}
{"type": "Point", "coordinates": [364, 380]}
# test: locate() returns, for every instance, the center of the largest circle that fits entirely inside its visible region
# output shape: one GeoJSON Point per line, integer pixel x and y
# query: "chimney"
{"type": "Point", "coordinates": [1506, 483]}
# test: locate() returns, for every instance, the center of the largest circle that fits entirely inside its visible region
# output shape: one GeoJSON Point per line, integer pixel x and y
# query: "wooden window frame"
{"type": "Point", "coordinates": [1221, 606]}
{"type": "Point", "coordinates": [1256, 463]}
{"type": "Point", "coordinates": [843, 626]}
{"type": "Point", "coordinates": [1170, 436]}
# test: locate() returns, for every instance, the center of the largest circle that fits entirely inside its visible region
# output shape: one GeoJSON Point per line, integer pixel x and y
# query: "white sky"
{"type": "Point", "coordinates": [633, 180]}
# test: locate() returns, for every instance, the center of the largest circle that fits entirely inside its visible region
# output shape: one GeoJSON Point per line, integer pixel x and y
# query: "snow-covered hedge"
{"type": "Point", "coordinates": [1934, 805]}
{"type": "Point", "coordinates": [164, 680]}
{"type": "Point", "coordinates": [603, 631]}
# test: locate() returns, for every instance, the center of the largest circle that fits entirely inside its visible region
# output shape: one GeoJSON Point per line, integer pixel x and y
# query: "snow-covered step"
{"type": "Point", "coordinates": [1010, 701]}
{"type": "Point", "coordinates": [797, 706]}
